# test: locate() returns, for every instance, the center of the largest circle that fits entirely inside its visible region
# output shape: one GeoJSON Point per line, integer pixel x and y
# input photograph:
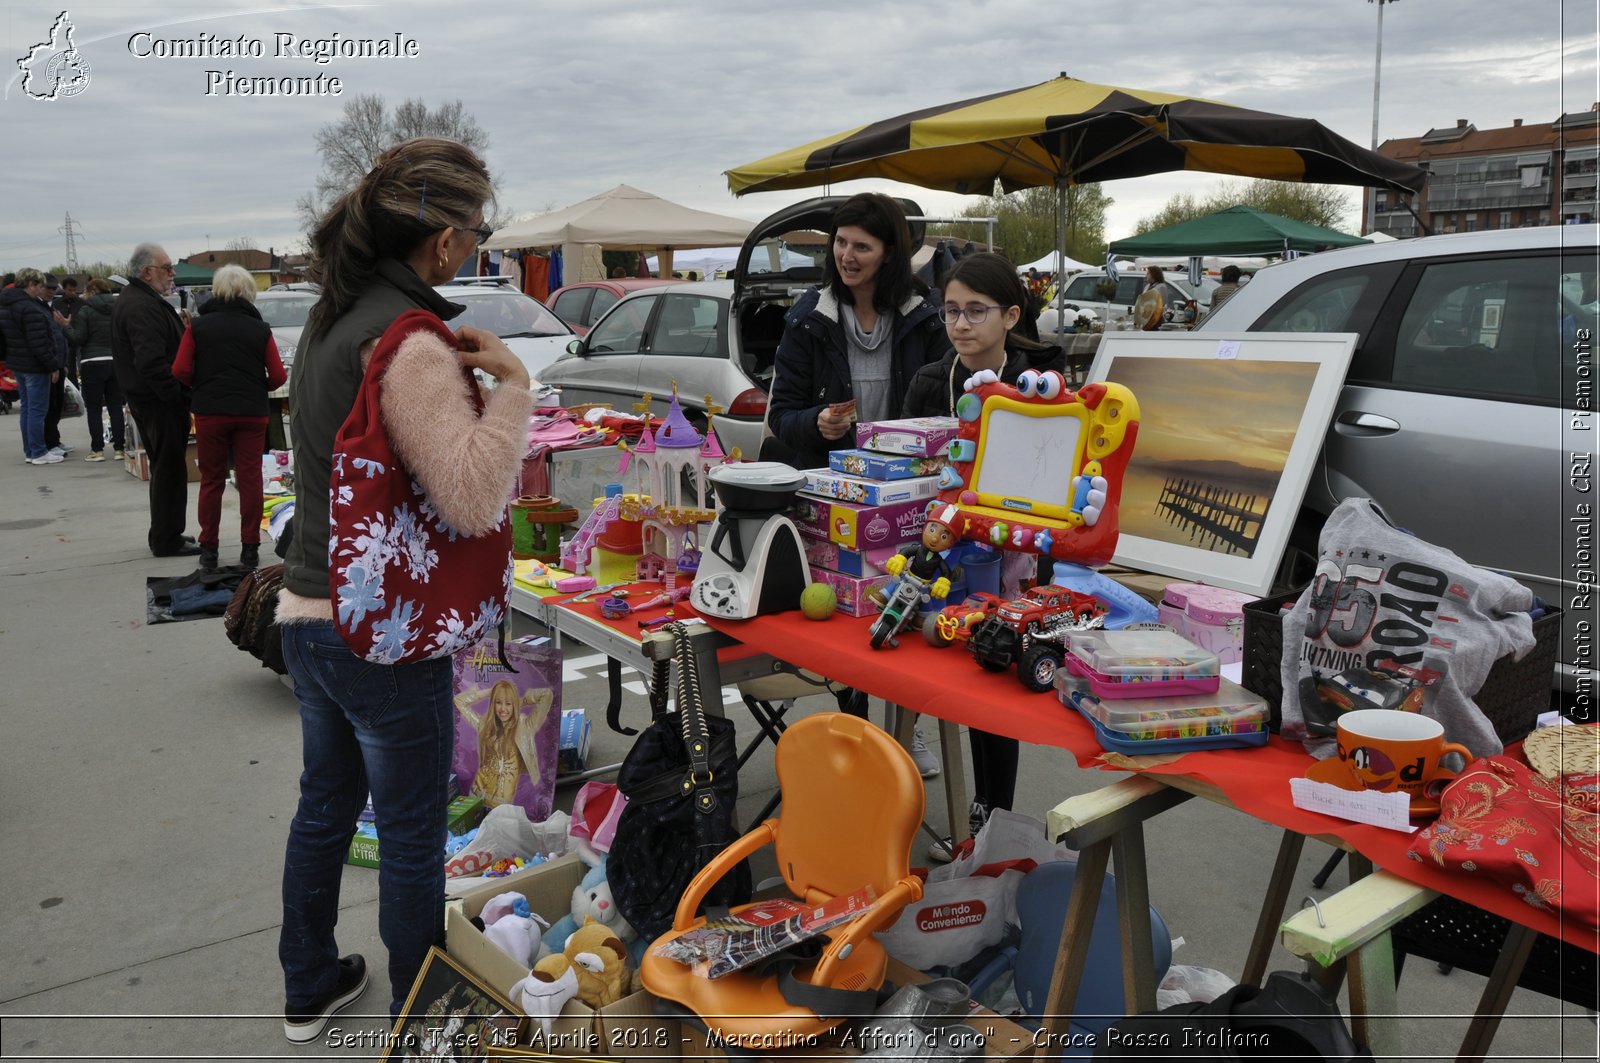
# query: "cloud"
{"type": "Point", "coordinates": [578, 97]}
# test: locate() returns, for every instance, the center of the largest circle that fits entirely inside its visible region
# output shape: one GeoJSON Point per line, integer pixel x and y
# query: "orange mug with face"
{"type": "Point", "coordinates": [1396, 751]}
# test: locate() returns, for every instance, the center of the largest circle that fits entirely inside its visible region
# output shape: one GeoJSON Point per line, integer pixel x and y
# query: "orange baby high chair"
{"type": "Point", "coordinates": [852, 803]}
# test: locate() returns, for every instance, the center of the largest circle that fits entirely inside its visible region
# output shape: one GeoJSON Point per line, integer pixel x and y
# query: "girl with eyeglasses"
{"type": "Point", "coordinates": [990, 320]}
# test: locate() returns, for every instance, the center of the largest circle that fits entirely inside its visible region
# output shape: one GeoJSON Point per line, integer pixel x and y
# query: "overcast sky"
{"type": "Point", "coordinates": [578, 97]}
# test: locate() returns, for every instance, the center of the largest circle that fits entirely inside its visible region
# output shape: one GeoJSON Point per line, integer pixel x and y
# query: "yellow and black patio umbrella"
{"type": "Point", "coordinates": [1065, 132]}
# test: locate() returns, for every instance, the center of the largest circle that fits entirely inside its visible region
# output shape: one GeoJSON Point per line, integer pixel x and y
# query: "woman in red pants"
{"type": "Point", "coordinates": [229, 360]}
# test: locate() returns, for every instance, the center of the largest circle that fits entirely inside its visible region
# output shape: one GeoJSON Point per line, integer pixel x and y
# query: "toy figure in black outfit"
{"type": "Point", "coordinates": [928, 560]}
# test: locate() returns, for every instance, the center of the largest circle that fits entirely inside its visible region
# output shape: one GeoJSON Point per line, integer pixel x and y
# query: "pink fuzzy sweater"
{"type": "Point", "coordinates": [465, 463]}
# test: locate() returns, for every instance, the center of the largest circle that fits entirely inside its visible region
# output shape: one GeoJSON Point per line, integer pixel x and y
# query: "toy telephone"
{"type": "Point", "coordinates": [1037, 468]}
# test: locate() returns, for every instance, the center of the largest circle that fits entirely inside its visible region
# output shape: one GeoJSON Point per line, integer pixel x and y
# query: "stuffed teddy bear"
{"type": "Point", "coordinates": [598, 960]}
{"type": "Point", "coordinates": [592, 900]}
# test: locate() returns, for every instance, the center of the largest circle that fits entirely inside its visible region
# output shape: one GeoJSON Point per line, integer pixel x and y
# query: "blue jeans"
{"type": "Point", "coordinates": [34, 392]}
{"type": "Point", "coordinates": [390, 729]}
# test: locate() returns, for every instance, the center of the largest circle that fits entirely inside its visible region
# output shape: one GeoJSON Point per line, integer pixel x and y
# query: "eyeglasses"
{"type": "Point", "coordinates": [168, 268]}
{"type": "Point", "coordinates": [483, 231]}
{"type": "Point", "coordinates": [975, 314]}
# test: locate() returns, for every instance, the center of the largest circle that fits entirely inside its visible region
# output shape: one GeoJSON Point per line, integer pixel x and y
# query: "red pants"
{"type": "Point", "coordinates": [246, 438]}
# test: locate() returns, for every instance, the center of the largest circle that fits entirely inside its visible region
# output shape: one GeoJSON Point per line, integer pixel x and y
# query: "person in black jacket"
{"type": "Point", "coordinates": [145, 331]}
{"type": "Point", "coordinates": [91, 330]}
{"type": "Point", "coordinates": [991, 320]}
{"type": "Point", "coordinates": [851, 345]}
{"type": "Point", "coordinates": [36, 352]}
{"type": "Point", "coordinates": [229, 359]}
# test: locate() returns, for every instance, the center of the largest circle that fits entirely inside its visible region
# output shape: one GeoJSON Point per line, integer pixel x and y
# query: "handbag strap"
{"type": "Point", "coordinates": [692, 722]}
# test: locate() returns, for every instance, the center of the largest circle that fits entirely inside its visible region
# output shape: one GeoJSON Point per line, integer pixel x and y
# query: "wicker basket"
{"type": "Point", "coordinates": [1513, 694]}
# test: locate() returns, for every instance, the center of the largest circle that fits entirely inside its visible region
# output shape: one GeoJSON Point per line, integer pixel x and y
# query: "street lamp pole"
{"type": "Point", "coordinates": [1377, 73]}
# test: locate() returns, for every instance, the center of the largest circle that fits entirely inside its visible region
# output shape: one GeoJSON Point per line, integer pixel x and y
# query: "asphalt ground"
{"type": "Point", "coordinates": [148, 775]}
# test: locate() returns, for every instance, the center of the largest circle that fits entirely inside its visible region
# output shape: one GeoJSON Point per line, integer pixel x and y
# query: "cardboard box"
{"type": "Point", "coordinates": [465, 812]}
{"type": "Point", "coordinates": [627, 1029]}
{"type": "Point", "coordinates": [857, 526]}
{"type": "Point", "coordinates": [876, 466]}
{"type": "Point", "coordinates": [825, 483]}
{"type": "Point", "coordinates": [851, 591]}
{"type": "Point", "coordinates": [573, 751]}
{"type": "Point", "coordinates": [926, 437]}
{"type": "Point", "coordinates": [137, 462]}
{"type": "Point", "coordinates": [1003, 1039]}
{"type": "Point", "coordinates": [845, 561]}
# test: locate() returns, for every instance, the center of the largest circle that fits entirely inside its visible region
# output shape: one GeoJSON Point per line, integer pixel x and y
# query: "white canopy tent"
{"type": "Point", "coordinates": [1048, 264]}
{"type": "Point", "coordinates": [623, 219]}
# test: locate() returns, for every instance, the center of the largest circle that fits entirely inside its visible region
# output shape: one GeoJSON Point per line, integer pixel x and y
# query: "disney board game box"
{"type": "Point", "coordinates": [857, 526]}
{"type": "Point", "coordinates": [926, 437]}
{"type": "Point", "coordinates": [825, 483]}
{"type": "Point", "coordinates": [876, 466]}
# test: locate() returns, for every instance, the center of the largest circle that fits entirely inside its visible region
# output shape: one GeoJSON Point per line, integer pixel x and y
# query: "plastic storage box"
{"type": "Point", "coordinates": [1142, 663]}
{"type": "Point", "coordinates": [1232, 716]}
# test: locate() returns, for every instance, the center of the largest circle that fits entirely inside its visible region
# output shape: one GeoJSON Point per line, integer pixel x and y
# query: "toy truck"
{"type": "Point", "coordinates": [1031, 633]}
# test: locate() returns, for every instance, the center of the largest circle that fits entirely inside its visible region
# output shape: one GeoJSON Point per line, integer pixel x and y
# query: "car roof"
{"type": "Point", "coordinates": [722, 289]}
{"type": "Point", "coordinates": [625, 283]}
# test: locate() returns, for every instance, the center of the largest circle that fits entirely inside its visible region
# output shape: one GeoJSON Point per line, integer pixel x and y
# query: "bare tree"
{"type": "Point", "coordinates": [241, 243]}
{"type": "Point", "coordinates": [1027, 222]}
{"type": "Point", "coordinates": [351, 145]}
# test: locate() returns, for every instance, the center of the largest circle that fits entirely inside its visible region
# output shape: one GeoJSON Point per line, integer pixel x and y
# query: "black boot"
{"type": "Point", "coordinates": [208, 559]}
{"type": "Point", "coordinates": [250, 555]}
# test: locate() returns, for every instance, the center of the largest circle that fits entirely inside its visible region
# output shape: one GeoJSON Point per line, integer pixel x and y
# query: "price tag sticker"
{"type": "Point", "coordinates": [1228, 349]}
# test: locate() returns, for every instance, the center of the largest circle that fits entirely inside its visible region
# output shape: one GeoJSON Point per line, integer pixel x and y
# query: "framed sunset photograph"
{"type": "Point", "coordinates": [1230, 428]}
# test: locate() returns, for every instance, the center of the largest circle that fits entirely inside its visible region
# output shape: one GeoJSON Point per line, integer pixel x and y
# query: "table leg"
{"type": "Point", "coordinates": [1133, 908]}
{"type": "Point", "coordinates": [1374, 1007]}
{"type": "Point", "coordinates": [1497, 992]}
{"type": "Point", "coordinates": [1077, 926]}
{"type": "Point", "coordinates": [1277, 899]}
{"type": "Point", "coordinates": [955, 780]}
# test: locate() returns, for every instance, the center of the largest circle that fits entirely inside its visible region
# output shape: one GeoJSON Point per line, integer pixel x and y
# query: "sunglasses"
{"type": "Point", "coordinates": [483, 231]}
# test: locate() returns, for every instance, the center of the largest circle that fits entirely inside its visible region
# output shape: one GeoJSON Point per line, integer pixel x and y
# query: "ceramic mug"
{"type": "Point", "coordinates": [1389, 750]}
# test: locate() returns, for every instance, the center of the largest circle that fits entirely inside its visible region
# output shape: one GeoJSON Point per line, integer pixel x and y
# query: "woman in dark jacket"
{"type": "Point", "coordinates": [228, 357]}
{"type": "Point", "coordinates": [992, 323]}
{"type": "Point", "coordinates": [91, 331]}
{"type": "Point", "coordinates": [851, 345]}
{"type": "Point", "coordinates": [36, 352]}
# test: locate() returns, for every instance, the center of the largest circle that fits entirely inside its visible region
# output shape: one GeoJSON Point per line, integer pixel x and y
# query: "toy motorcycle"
{"type": "Point", "coordinates": [903, 605]}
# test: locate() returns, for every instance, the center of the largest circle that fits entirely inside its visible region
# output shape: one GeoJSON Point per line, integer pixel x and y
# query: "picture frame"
{"type": "Point", "coordinates": [1231, 426]}
{"type": "Point", "coordinates": [450, 1015]}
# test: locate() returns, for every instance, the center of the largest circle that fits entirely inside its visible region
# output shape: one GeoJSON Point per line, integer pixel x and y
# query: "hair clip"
{"type": "Point", "coordinates": [424, 202]}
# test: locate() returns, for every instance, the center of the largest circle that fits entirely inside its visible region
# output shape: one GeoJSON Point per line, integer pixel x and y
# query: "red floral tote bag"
{"type": "Point", "coordinates": [406, 586]}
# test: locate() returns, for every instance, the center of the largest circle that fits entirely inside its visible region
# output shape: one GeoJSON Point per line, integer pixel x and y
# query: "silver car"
{"type": "Point", "coordinates": [286, 312]}
{"type": "Point", "coordinates": [534, 334]}
{"type": "Point", "coordinates": [1467, 412]}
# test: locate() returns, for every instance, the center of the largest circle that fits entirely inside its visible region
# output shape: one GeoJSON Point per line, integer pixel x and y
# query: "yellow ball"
{"type": "Point", "coordinates": [818, 601]}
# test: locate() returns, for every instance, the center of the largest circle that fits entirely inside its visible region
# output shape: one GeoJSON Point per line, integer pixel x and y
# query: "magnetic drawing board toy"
{"type": "Point", "coordinates": [1037, 467]}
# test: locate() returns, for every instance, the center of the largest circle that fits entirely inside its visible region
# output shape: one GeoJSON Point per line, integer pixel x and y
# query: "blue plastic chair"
{"type": "Point", "coordinates": [1041, 909]}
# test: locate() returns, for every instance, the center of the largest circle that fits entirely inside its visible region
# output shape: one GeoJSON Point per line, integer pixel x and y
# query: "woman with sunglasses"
{"type": "Point", "coordinates": [851, 345]}
{"type": "Point", "coordinates": [410, 224]}
{"type": "Point", "coordinates": [991, 321]}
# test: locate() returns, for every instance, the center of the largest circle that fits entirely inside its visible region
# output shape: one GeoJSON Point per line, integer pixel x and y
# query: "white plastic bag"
{"type": "Point", "coordinates": [966, 904]}
{"type": "Point", "coordinates": [71, 400]}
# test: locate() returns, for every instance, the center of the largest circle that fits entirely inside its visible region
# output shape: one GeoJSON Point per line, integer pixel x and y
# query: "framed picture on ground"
{"type": "Point", "coordinates": [1230, 428]}
{"type": "Point", "coordinates": [450, 1015]}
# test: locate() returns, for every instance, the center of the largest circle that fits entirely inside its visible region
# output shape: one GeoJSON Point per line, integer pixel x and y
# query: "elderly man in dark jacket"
{"type": "Point", "coordinates": [36, 351]}
{"type": "Point", "coordinates": [145, 331]}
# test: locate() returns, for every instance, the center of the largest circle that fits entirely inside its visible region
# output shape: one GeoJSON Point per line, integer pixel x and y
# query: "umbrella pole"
{"type": "Point", "coordinates": [1061, 259]}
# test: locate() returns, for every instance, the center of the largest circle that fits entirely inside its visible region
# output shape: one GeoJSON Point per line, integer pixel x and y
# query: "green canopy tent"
{"type": "Point", "coordinates": [188, 276]}
{"type": "Point", "coordinates": [1236, 231]}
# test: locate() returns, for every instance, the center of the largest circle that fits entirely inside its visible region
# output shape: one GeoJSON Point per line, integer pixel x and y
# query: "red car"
{"type": "Point", "coordinates": [957, 621]}
{"type": "Point", "coordinates": [580, 305]}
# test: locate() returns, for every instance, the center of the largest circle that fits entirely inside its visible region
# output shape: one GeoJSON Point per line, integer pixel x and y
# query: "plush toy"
{"type": "Point", "coordinates": [509, 924]}
{"type": "Point", "coordinates": [592, 900]}
{"type": "Point", "coordinates": [546, 990]}
{"type": "Point", "coordinates": [598, 959]}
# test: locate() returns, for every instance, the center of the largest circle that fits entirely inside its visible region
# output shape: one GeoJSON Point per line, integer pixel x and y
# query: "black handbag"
{"type": "Point", "coordinates": [682, 785]}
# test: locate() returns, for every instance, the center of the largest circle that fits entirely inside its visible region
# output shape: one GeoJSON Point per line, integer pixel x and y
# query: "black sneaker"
{"type": "Point", "coordinates": [303, 1025]}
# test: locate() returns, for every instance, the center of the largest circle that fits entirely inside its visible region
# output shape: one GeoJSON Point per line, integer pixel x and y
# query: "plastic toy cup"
{"type": "Point", "coordinates": [1392, 750]}
{"type": "Point", "coordinates": [983, 571]}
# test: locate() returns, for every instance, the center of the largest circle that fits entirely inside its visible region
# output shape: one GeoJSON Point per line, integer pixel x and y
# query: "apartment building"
{"type": "Point", "coordinates": [1506, 178]}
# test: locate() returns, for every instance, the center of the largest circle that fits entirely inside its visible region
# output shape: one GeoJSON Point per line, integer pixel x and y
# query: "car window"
{"type": "Point", "coordinates": [1324, 305]}
{"type": "Point", "coordinates": [622, 330]}
{"type": "Point", "coordinates": [604, 299]}
{"type": "Point", "coordinates": [1128, 289]}
{"type": "Point", "coordinates": [286, 313]}
{"type": "Point", "coordinates": [686, 325]}
{"type": "Point", "coordinates": [1488, 325]}
{"type": "Point", "coordinates": [505, 314]}
{"type": "Point", "coordinates": [1086, 290]}
{"type": "Point", "coordinates": [568, 306]}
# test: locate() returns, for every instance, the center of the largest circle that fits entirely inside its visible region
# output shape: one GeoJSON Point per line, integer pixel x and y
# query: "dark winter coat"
{"type": "Point", "coordinates": [91, 327]}
{"type": "Point", "coordinates": [811, 370]}
{"type": "Point", "coordinates": [145, 330]}
{"type": "Point", "coordinates": [935, 388]}
{"type": "Point", "coordinates": [230, 360]}
{"type": "Point", "coordinates": [34, 343]}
